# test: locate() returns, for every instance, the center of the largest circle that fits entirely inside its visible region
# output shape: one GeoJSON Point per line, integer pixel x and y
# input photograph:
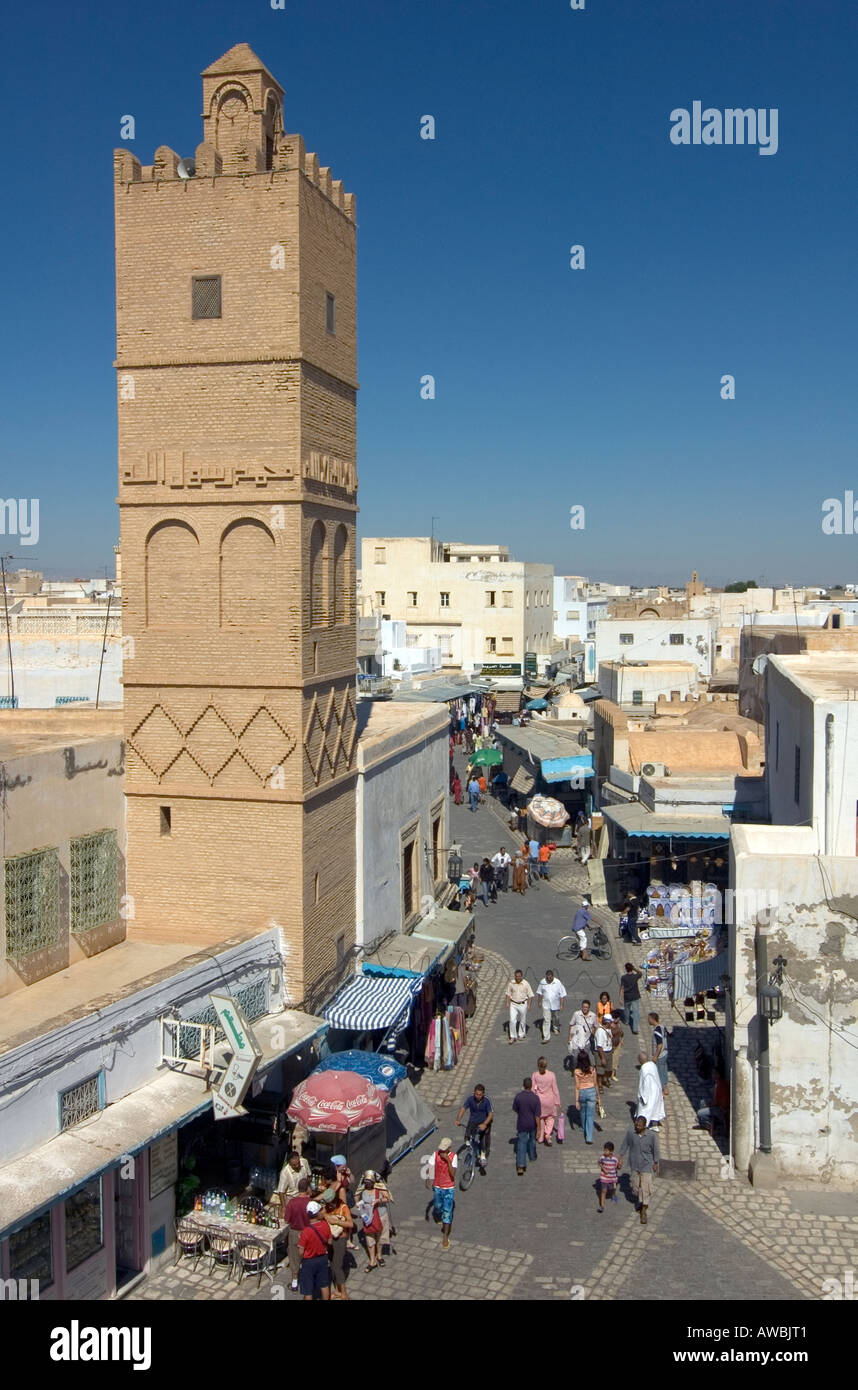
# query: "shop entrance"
{"type": "Point", "coordinates": [127, 1225]}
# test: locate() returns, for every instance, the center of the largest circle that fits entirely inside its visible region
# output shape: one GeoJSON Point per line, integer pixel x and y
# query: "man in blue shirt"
{"type": "Point", "coordinates": [528, 1108]}
{"type": "Point", "coordinates": [533, 861]}
{"type": "Point", "coordinates": [580, 924]}
{"type": "Point", "coordinates": [480, 1116]}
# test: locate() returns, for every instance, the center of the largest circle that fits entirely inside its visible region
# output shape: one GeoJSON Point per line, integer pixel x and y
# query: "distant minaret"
{"type": "Point", "coordinates": [236, 358]}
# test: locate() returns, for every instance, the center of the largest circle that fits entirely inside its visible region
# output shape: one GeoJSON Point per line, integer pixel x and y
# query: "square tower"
{"type": "Point", "coordinates": [236, 361]}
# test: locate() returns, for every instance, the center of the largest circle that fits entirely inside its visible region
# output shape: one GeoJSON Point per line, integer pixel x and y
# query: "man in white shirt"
{"type": "Point", "coordinates": [294, 1169]}
{"type": "Point", "coordinates": [500, 863]}
{"type": "Point", "coordinates": [551, 994]}
{"type": "Point", "coordinates": [519, 996]}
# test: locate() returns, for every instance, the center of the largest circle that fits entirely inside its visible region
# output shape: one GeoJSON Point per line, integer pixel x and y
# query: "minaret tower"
{"type": "Point", "coordinates": [236, 361]}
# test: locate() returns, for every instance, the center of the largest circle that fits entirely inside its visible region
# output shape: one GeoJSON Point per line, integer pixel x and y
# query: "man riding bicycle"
{"type": "Point", "coordinates": [480, 1116]}
{"type": "Point", "coordinates": [580, 924]}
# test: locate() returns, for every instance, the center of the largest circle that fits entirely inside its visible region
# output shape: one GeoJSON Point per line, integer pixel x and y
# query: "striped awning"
{"type": "Point", "coordinates": [523, 781]}
{"type": "Point", "coordinates": [368, 1002]}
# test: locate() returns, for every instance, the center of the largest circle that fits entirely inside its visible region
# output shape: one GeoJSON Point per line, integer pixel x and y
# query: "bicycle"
{"type": "Point", "coordinates": [569, 947]}
{"type": "Point", "coordinates": [469, 1156]}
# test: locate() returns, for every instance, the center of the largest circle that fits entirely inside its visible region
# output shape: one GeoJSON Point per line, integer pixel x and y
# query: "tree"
{"type": "Point", "coordinates": [741, 586]}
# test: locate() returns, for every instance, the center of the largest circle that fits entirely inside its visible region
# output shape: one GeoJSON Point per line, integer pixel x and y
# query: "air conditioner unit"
{"type": "Point", "coordinates": [653, 770]}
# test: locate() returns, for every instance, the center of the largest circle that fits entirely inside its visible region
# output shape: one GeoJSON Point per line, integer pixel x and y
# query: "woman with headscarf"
{"type": "Point", "coordinates": [650, 1098]}
{"type": "Point", "coordinates": [545, 1087]}
{"type": "Point", "coordinates": [339, 1219]}
{"type": "Point", "coordinates": [457, 788]}
{"type": "Point", "coordinates": [368, 1205]}
{"type": "Point", "coordinates": [519, 873]}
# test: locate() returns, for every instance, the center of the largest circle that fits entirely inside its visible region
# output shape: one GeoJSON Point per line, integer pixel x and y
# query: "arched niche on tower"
{"type": "Point", "coordinates": [342, 575]}
{"type": "Point", "coordinates": [248, 591]}
{"type": "Point", "coordinates": [174, 596]}
{"type": "Point", "coordinates": [231, 108]}
{"type": "Point", "coordinates": [318, 605]}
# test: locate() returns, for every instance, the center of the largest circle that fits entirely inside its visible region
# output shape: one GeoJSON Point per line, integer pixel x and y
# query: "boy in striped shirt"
{"type": "Point", "coordinates": [609, 1170]}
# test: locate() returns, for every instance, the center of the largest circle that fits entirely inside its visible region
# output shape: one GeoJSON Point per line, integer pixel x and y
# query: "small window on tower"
{"type": "Point", "coordinates": [205, 297]}
{"type": "Point", "coordinates": [330, 314]}
{"type": "Point", "coordinates": [166, 820]}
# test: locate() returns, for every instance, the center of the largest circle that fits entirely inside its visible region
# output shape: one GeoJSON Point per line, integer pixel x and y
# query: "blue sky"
{"type": "Point", "coordinates": [554, 387]}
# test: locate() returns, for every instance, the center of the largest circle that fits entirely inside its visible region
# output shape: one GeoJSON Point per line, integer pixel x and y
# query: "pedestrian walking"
{"type": "Point", "coordinates": [341, 1224]}
{"type": "Point", "coordinates": [546, 1089]}
{"type": "Point", "coordinates": [443, 1184]}
{"type": "Point", "coordinates": [474, 793]}
{"type": "Point", "coordinates": [296, 1219]}
{"type": "Point", "coordinates": [604, 1044]}
{"type": "Point", "coordinates": [519, 997]}
{"type": "Point", "coordinates": [500, 863]}
{"type": "Point", "coordinates": [617, 1036]}
{"type": "Point", "coordinates": [582, 837]}
{"type": "Point", "coordinates": [604, 1006]}
{"type": "Point", "coordinates": [343, 1184]}
{"type": "Point", "coordinates": [609, 1172]}
{"type": "Point", "coordinates": [641, 1145]}
{"type": "Point", "coordinates": [544, 855]}
{"type": "Point", "coordinates": [650, 1095]}
{"type": "Point", "coordinates": [582, 1025]}
{"type": "Point", "coordinates": [369, 1206]}
{"type": "Point", "coordinates": [315, 1272]}
{"type": "Point", "coordinates": [528, 1109]}
{"type": "Point", "coordinates": [630, 929]}
{"type": "Point", "coordinates": [532, 861]}
{"type": "Point", "coordinates": [659, 1047]}
{"type": "Point", "coordinates": [630, 995]}
{"type": "Point", "coordinates": [552, 996]}
{"type": "Point", "coordinates": [457, 789]}
{"type": "Point", "coordinates": [519, 872]}
{"type": "Point", "coordinates": [587, 1094]}
{"type": "Point", "coordinates": [487, 881]}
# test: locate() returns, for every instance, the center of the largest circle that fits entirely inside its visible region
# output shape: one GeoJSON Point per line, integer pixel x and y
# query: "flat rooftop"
{"type": "Point", "coordinates": [822, 675]}
{"type": "Point", "coordinates": [650, 665]}
{"type": "Point", "coordinates": [26, 731]}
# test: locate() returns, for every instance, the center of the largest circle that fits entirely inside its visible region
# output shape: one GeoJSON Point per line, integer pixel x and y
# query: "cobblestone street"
{"type": "Point", "coordinates": [710, 1235]}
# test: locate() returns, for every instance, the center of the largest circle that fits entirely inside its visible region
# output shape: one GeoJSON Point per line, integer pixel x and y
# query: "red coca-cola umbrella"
{"type": "Point", "coordinates": [336, 1101]}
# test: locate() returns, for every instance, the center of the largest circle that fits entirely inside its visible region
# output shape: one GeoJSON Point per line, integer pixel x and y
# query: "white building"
{"type": "Point", "coordinates": [633, 684]}
{"type": "Point", "coordinates": [59, 653]}
{"type": "Point", "coordinates": [812, 746]}
{"type": "Point", "coordinates": [780, 879]}
{"type": "Point", "coordinates": [658, 639]}
{"type": "Point", "coordinates": [482, 609]}
{"type": "Point", "coordinates": [402, 794]}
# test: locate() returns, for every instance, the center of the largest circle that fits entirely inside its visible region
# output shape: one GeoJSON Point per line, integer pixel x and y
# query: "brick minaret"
{"type": "Point", "coordinates": [236, 358]}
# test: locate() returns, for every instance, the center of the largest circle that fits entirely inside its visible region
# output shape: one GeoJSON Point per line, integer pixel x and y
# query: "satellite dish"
{"type": "Point", "coordinates": [186, 168]}
{"type": "Point", "coordinates": [759, 664]}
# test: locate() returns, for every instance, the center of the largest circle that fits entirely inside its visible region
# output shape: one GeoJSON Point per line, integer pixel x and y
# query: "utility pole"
{"type": "Point", "coordinates": [103, 649]}
{"type": "Point", "coordinates": [3, 559]}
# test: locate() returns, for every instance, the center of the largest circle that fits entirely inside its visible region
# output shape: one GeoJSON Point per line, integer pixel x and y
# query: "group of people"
{"type": "Point", "coordinates": [323, 1230]}
{"type": "Point", "coordinates": [503, 872]}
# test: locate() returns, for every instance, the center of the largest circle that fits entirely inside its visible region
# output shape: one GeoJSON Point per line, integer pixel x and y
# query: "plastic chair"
{"type": "Point", "coordinates": [190, 1239]}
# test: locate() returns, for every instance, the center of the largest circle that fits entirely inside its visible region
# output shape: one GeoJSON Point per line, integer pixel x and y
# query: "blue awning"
{"type": "Point", "coordinates": [563, 769]}
{"type": "Point", "coordinates": [368, 1002]}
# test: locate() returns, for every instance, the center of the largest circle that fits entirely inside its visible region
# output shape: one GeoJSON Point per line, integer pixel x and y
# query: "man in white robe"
{"type": "Point", "coordinates": [650, 1099]}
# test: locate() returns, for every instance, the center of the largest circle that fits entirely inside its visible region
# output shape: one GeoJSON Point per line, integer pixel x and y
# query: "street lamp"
{"type": "Point", "coordinates": [454, 867]}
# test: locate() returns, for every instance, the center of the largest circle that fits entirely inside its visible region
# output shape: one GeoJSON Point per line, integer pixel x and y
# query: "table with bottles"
{"type": "Point", "coordinates": [239, 1218]}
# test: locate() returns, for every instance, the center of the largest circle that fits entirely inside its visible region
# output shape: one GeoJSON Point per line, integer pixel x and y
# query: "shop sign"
{"type": "Point", "coordinates": [163, 1164]}
{"type": "Point", "coordinates": [501, 668]}
{"type": "Point", "coordinates": [246, 1054]}
{"type": "Point", "coordinates": [530, 667]}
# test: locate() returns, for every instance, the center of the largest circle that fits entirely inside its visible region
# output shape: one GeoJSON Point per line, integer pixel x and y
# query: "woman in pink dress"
{"type": "Point", "coordinates": [545, 1086]}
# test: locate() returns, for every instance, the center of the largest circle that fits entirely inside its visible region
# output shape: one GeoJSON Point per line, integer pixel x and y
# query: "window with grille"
{"type": "Point", "coordinates": [205, 297]}
{"type": "Point", "coordinates": [330, 314]}
{"type": "Point", "coordinates": [676, 639]}
{"type": "Point", "coordinates": [637, 697]}
{"type": "Point", "coordinates": [84, 1224]}
{"type": "Point", "coordinates": [445, 599]}
{"type": "Point", "coordinates": [31, 1253]}
{"type": "Point", "coordinates": [626, 639]}
{"type": "Point", "coordinates": [80, 1103]}
{"type": "Point", "coordinates": [251, 999]}
{"type": "Point", "coordinates": [32, 903]}
{"type": "Point", "coordinates": [94, 880]}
